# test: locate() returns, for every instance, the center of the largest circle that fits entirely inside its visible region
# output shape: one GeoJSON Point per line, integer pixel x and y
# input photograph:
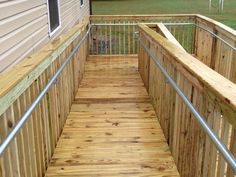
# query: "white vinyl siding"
{"type": "Point", "coordinates": [24, 26]}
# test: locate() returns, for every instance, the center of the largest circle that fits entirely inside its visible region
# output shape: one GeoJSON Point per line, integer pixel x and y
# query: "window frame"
{"type": "Point", "coordinates": [51, 33]}
{"type": "Point", "coordinates": [81, 4]}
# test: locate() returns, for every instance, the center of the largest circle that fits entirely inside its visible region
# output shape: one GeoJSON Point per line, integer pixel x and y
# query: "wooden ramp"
{"type": "Point", "coordinates": [112, 129]}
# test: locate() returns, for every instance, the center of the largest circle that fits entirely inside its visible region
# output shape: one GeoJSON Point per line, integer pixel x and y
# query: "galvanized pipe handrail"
{"type": "Point", "coordinates": [135, 24]}
{"type": "Point", "coordinates": [215, 35]}
{"type": "Point", "coordinates": [28, 113]}
{"type": "Point", "coordinates": [228, 156]}
{"type": "Point", "coordinates": [168, 24]}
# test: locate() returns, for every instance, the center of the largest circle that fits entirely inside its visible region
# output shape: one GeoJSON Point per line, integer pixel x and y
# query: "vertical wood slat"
{"type": "Point", "coordinates": [129, 38]}
{"type": "Point", "coordinates": [115, 40]}
{"type": "Point", "coordinates": [42, 125]}
{"type": "Point", "coordinates": [31, 140]}
{"type": "Point", "coordinates": [232, 144]}
{"type": "Point", "coordinates": [18, 110]}
{"type": "Point", "coordinates": [97, 40]}
{"type": "Point", "coordinates": [133, 42]}
{"type": "Point", "coordinates": [30, 152]}
{"type": "Point", "coordinates": [187, 39]}
{"type": "Point", "coordinates": [45, 124]}
{"type": "Point", "coordinates": [192, 150]}
{"type": "Point", "coordinates": [120, 28]}
{"type": "Point", "coordinates": [183, 34]}
{"type": "Point", "coordinates": [102, 38]}
{"type": "Point", "coordinates": [124, 39]}
{"type": "Point", "coordinates": [25, 134]}
{"type": "Point", "coordinates": [38, 117]}
{"type": "Point", "coordinates": [225, 130]}
{"type": "Point", "coordinates": [144, 63]}
{"type": "Point", "coordinates": [9, 168]}
{"type": "Point", "coordinates": [37, 133]}
{"type": "Point", "coordinates": [110, 39]}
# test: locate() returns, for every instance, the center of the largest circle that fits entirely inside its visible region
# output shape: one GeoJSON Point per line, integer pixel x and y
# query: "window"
{"type": "Point", "coordinates": [81, 3]}
{"type": "Point", "coordinates": [54, 16]}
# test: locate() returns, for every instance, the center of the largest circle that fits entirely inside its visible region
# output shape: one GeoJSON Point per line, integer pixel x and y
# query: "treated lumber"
{"type": "Point", "coordinates": [223, 29]}
{"type": "Point", "coordinates": [116, 137]}
{"type": "Point", "coordinates": [224, 93]}
{"type": "Point", "coordinates": [142, 17]}
{"type": "Point", "coordinates": [16, 80]}
{"type": "Point", "coordinates": [167, 34]}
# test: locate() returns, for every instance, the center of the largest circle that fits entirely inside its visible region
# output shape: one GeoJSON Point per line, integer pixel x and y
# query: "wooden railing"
{"type": "Point", "coordinates": [205, 38]}
{"type": "Point", "coordinates": [113, 39]}
{"type": "Point", "coordinates": [212, 95]}
{"type": "Point", "coordinates": [116, 34]}
{"type": "Point", "coordinates": [29, 153]}
{"type": "Point", "coordinates": [162, 30]}
{"type": "Point", "coordinates": [214, 50]}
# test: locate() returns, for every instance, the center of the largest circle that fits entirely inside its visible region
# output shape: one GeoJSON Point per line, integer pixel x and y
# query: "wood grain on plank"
{"type": "Point", "coordinates": [110, 137]}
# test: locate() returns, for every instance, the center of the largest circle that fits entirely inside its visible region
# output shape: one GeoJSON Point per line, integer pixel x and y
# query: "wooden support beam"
{"type": "Point", "coordinates": [167, 34]}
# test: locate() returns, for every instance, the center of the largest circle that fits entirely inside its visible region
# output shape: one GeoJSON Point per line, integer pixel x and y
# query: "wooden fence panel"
{"type": "Point", "coordinates": [30, 152]}
{"type": "Point", "coordinates": [194, 153]}
{"type": "Point", "coordinates": [116, 34]}
{"type": "Point", "coordinates": [204, 44]}
{"type": "Point", "coordinates": [212, 50]}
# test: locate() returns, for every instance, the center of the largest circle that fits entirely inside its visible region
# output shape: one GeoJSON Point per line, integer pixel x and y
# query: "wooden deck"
{"type": "Point", "coordinates": [112, 129]}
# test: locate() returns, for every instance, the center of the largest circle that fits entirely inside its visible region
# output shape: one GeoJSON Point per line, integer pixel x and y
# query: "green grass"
{"type": "Point", "coordinates": [167, 7]}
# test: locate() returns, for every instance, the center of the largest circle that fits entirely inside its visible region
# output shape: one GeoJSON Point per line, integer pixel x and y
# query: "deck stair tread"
{"type": "Point", "coordinates": [112, 129]}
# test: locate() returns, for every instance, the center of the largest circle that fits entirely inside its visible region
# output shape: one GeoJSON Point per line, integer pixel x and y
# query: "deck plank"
{"type": "Point", "coordinates": [112, 129]}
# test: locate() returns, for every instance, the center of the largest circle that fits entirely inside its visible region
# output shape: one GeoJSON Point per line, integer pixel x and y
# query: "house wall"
{"type": "Point", "coordinates": [24, 26]}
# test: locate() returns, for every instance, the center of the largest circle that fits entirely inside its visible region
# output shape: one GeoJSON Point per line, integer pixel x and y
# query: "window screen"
{"type": "Point", "coordinates": [53, 14]}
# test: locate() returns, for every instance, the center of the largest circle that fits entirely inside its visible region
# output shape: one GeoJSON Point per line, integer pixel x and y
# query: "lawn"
{"type": "Point", "coordinates": [228, 16]}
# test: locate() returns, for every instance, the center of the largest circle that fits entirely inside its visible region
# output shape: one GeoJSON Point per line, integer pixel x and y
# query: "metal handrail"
{"type": "Point", "coordinates": [215, 35]}
{"type": "Point", "coordinates": [228, 156]}
{"type": "Point", "coordinates": [207, 30]}
{"type": "Point", "coordinates": [169, 24]}
{"type": "Point", "coordinates": [135, 24]}
{"type": "Point", "coordinates": [28, 113]}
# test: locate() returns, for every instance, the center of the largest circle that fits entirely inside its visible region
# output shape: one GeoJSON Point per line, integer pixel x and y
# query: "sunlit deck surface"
{"type": "Point", "coordinates": [112, 129]}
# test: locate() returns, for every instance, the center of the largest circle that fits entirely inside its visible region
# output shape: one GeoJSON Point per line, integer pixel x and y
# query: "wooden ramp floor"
{"type": "Point", "coordinates": [112, 129]}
